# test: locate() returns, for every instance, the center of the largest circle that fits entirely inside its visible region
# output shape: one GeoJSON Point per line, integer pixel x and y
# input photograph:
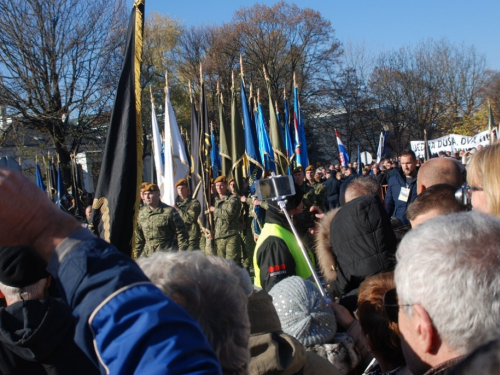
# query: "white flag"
{"type": "Point", "coordinates": [157, 149]}
{"type": "Point", "coordinates": [176, 162]}
{"type": "Point", "coordinates": [380, 149]}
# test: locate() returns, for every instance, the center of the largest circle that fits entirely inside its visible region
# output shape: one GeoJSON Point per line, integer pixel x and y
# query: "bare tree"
{"type": "Point", "coordinates": [432, 86]}
{"type": "Point", "coordinates": [59, 61]}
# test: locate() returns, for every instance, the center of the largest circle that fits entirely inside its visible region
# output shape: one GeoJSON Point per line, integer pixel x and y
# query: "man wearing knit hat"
{"type": "Point", "coordinates": [37, 330]}
{"type": "Point", "coordinates": [189, 209]}
{"type": "Point", "coordinates": [159, 226]}
{"type": "Point", "coordinates": [227, 211]}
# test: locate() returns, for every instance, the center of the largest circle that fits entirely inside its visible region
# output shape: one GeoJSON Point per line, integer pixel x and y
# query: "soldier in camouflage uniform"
{"type": "Point", "coordinates": [309, 199]}
{"type": "Point", "coordinates": [159, 226]}
{"type": "Point", "coordinates": [189, 209]}
{"type": "Point", "coordinates": [318, 197]}
{"type": "Point", "coordinates": [226, 212]}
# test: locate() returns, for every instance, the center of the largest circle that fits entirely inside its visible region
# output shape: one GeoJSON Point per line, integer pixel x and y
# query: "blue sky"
{"type": "Point", "coordinates": [380, 24]}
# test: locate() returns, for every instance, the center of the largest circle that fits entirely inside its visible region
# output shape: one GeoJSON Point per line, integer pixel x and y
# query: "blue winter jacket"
{"type": "Point", "coordinates": [394, 206]}
{"type": "Point", "coordinates": [125, 323]}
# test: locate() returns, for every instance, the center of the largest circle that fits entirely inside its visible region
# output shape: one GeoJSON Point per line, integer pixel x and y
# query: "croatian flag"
{"type": "Point", "coordinates": [343, 157]}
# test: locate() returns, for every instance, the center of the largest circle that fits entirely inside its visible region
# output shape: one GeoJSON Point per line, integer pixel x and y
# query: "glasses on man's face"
{"type": "Point", "coordinates": [464, 193]}
{"type": "Point", "coordinates": [391, 306]}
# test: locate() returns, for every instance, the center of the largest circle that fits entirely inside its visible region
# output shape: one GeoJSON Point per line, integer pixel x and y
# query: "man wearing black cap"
{"type": "Point", "coordinates": [277, 253]}
{"type": "Point", "coordinates": [36, 330]}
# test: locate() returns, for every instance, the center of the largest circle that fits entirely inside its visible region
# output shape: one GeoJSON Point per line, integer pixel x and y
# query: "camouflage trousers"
{"type": "Point", "coordinates": [247, 247]}
{"type": "Point", "coordinates": [229, 248]}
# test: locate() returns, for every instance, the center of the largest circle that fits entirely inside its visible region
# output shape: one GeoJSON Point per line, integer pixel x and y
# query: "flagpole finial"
{"type": "Point", "coordinates": [276, 105]}
{"type": "Point", "coordinates": [232, 79]}
{"type": "Point", "coordinates": [265, 72]}
{"type": "Point", "coordinates": [294, 80]}
{"type": "Point", "coordinates": [284, 92]}
{"type": "Point", "coordinates": [201, 73]}
{"type": "Point", "coordinates": [190, 91]}
{"type": "Point", "coordinates": [166, 81]}
{"type": "Point", "coordinates": [251, 90]}
{"type": "Point", "coordinates": [218, 86]}
{"type": "Point", "coordinates": [151, 94]}
{"type": "Point", "coordinates": [241, 66]}
{"type": "Point", "coordinates": [258, 95]}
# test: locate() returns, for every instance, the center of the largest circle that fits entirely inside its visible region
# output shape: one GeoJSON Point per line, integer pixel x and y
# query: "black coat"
{"type": "Point", "coordinates": [37, 338]}
{"type": "Point", "coordinates": [332, 193]}
{"type": "Point", "coordinates": [362, 241]}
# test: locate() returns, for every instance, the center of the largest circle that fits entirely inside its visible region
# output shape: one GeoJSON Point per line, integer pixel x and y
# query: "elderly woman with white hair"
{"type": "Point", "coordinates": [214, 292]}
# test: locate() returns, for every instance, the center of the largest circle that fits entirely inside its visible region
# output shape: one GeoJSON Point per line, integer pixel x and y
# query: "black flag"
{"type": "Point", "coordinates": [116, 200]}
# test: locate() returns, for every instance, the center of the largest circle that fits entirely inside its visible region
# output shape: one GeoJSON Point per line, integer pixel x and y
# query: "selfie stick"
{"type": "Point", "coordinates": [282, 203]}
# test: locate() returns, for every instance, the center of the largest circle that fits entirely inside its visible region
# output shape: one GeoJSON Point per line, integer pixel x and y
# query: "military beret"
{"type": "Point", "coordinates": [151, 187]}
{"type": "Point", "coordinates": [182, 181]}
{"type": "Point", "coordinates": [143, 185]}
{"type": "Point", "coordinates": [310, 168]}
{"type": "Point", "coordinates": [221, 179]}
{"type": "Point", "coordinates": [21, 266]}
{"type": "Point", "coordinates": [298, 170]}
{"type": "Point", "coordinates": [231, 180]}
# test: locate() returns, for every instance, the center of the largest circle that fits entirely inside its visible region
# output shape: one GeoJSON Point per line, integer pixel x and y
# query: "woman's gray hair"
{"type": "Point", "coordinates": [450, 266]}
{"type": "Point", "coordinates": [212, 295]}
{"type": "Point", "coordinates": [244, 280]}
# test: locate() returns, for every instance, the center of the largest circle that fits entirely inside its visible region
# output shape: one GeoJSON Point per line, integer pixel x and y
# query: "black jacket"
{"type": "Point", "coordinates": [37, 338]}
{"type": "Point", "coordinates": [362, 241]}
{"type": "Point", "coordinates": [332, 192]}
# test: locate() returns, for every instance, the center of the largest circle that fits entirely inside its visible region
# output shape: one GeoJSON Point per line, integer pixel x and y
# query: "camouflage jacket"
{"type": "Point", "coordinates": [314, 195]}
{"type": "Point", "coordinates": [189, 210]}
{"type": "Point", "coordinates": [159, 230]}
{"type": "Point", "coordinates": [227, 216]}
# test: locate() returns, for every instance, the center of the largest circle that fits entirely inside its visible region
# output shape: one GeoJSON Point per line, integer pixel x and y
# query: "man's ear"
{"type": "Point", "coordinates": [420, 189]}
{"type": "Point", "coordinates": [1, 294]}
{"type": "Point", "coordinates": [428, 338]}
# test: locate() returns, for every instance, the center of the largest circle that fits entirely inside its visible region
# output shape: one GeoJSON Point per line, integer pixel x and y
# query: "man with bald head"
{"type": "Point", "coordinates": [438, 171]}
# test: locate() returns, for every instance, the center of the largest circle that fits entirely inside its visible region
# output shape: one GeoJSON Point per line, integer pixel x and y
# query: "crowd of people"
{"type": "Point", "coordinates": [407, 250]}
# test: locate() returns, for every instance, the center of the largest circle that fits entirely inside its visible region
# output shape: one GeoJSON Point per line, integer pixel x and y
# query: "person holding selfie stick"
{"type": "Point", "coordinates": [278, 252]}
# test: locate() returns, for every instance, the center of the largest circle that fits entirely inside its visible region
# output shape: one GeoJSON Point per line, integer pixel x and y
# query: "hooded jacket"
{"type": "Point", "coordinates": [275, 352]}
{"type": "Point", "coordinates": [37, 338]}
{"type": "Point", "coordinates": [354, 242]}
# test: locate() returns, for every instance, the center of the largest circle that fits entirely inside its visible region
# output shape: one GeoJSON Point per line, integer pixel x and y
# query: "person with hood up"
{"type": "Point", "coordinates": [36, 331]}
{"type": "Point", "coordinates": [352, 243]}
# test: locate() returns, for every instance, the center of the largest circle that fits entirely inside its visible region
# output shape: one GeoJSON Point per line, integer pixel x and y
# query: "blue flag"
{"type": "Point", "coordinates": [301, 157]}
{"type": "Point", "coordinates": [288, 136]}
{"type": "Point", "coordinates": [39, 179]}
{"type": "Point", "coordinates": [61, 191]}
{"type": "Point", "coordinates": [255, 168]}
{"type": "Point", "coordinates": [265, 147]}
{"type": "Point", "coordinates": [214, 156]}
